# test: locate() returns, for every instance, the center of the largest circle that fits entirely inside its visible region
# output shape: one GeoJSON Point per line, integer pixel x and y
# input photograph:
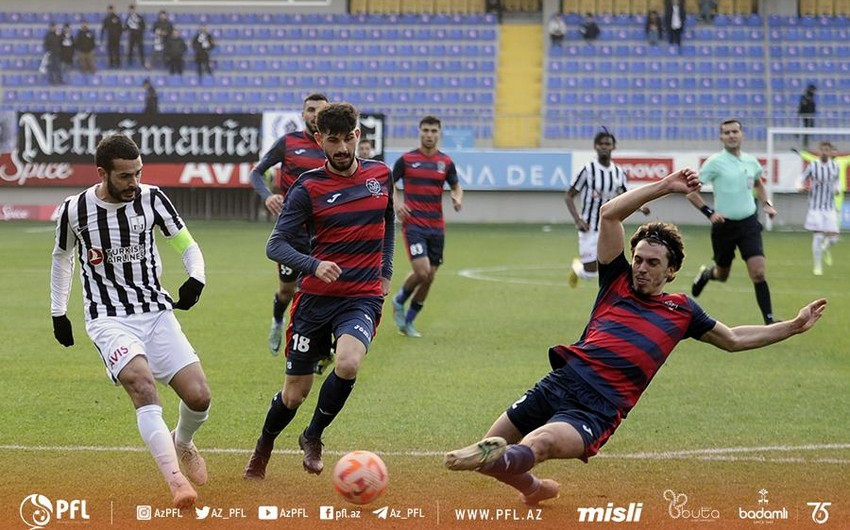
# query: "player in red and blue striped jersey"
{"type": "Point", "coordinates": [296, 152]}
{"type": "Point", "coordinates": [633, 327]}
{"type": "Point", "coordinates": [424, 172]}
{"type": "Point", "coordinates": [347, 206]}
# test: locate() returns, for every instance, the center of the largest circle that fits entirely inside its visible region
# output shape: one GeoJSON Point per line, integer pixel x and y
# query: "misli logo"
{"type": "Point", "coordinates": [37, 510]}
{"type": "Point", "coordinates": [611, 513]}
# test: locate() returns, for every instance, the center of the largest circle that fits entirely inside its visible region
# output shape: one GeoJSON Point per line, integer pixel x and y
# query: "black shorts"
{"type": "Point", "coordinates": [421, 243]}
{"type": "Point", "coordinates": [745, 235]}
{"type": "Point", "coordinates": [317, 320]}
{"type": "Point", "coordinates": [564, 397]}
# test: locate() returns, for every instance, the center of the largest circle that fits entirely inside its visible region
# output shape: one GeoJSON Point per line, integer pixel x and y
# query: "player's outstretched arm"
{"type": "Point", "coordinates": [742, 338]}
{"type": "Point", "coordinates": [614, 212]}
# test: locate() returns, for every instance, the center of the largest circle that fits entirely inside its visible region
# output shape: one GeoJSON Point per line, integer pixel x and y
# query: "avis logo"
{"type": "Point", "coordinates": [37, 511]}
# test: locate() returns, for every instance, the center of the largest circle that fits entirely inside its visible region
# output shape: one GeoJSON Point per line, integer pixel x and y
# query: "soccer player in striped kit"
{"type": "Point", "coordinates": [634, 326]}
{"type": "Point", "coordinates": [821, 180]}
{"type": "Point", "coordinates": [129, 315]}
{"type": "Point", "coordinates": [347, 206]}
{"type": "Point", "coordinates": [296, 152]}
{"type": "Point", "coordinates": [424, 171]}
{"type": "Point", "coordinates": [599, 181]}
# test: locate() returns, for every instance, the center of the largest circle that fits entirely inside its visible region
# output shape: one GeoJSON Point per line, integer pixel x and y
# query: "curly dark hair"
{"type": "Point", "coordinates": [115, 147]}
{"type": "Point", "coordinates": [337, 118]}
{"type": "Point", "coordinates": [666, 234]}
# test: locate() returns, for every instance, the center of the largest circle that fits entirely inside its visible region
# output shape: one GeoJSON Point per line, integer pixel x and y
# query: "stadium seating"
{"type": "Point", "coordinates": [741, 65]}
{"type": "Point", "coordinates": [383, 63]}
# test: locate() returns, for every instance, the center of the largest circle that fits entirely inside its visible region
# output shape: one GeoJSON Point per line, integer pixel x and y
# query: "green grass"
{"type": "Point", "coordinates": [498, 303]}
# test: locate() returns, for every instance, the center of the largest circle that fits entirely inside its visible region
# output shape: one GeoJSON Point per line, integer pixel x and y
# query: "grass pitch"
{"type": "Point", "coordinates": [718, 427]}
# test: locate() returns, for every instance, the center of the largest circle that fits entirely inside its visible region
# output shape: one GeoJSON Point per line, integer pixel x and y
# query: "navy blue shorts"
{"type": "Point", "coordinates": [421, 244]}
{"type": "Point", "coordinates": [745, 235]}
{"type": "Point", "coordinates": [564, 397]}
{"type": "Point", "coordinates": [317, 320]}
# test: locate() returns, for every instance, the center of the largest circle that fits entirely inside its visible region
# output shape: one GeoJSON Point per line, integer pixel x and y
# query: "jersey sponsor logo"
{"type": "Point", "coordinates": [133, 253]}
{"type": "Point", "coordinates": [334, 197]}
{"type": "Point", "coordinates": [137, 224]}
{"type": "Point", "coordinates": [95, 256]}
{"type": "Point", "coordinates": [373, 187]}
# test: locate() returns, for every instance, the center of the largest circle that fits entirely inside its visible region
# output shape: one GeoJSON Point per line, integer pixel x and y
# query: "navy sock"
{"type": "Point", "coordinates": [517, 459]}
{"type": "Point", "coordinates": [278, 309]}
{"type": "Point", "coordinates": [277, 418]}
{"type": "Point", "coordinates": [526, 483]}
{"type": "Point", "coordinates": [403, 295]}
{"type": "Point", "coordinates": [763, 299]}
{"type": "Point", "coordinates": [413, 311]}
{"type": "Point", "coordinates": [332, 397]}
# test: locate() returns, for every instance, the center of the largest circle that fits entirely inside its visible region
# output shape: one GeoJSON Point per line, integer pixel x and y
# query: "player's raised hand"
{"type": "Point", "coordinates": [328, 271]}
{"type": "Point", "coordinates": [62, 330]}
{"type": "Point", "coordinates": [683, 181]}
{"type": "Point", "coordinates": [810, 314]}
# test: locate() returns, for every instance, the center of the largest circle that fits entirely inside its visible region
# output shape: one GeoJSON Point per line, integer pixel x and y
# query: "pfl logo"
{"type": "Point", "coordinates": [37, 510]}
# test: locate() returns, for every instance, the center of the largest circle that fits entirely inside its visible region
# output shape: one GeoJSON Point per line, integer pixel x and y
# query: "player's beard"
{"type": "Point", "coordinates": [117, 194]}
{"type": "Point", "coordinates": [341, 167]}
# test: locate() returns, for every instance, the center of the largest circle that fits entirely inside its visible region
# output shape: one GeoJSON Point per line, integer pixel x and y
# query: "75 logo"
{"type": "Point", "coordinates": [820, 512]}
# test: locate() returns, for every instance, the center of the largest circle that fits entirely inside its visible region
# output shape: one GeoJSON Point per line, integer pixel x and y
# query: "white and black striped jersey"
{"type": "Point", "coordinates": [823, 181]}
{"type": "Point", "coordinates": [597, 185]}
{"type": "Point", "coordinates": [120, 265]}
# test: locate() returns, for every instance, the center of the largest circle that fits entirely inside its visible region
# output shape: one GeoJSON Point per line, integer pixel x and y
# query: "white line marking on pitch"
{"type": "Point", "coordinates": [724, 454]}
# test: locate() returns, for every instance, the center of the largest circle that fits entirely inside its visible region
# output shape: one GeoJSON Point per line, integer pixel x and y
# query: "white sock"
{"type": "Point", "coordinates": [831, 240]}
{"type": "Point", "coordinates": [580, 271]}
{"type": "Point", "coordinates": [817, 249]}
{"type": "Point", "coordinates": [188, 423]}
{"type": "Point", "coordinates": [155, 433]}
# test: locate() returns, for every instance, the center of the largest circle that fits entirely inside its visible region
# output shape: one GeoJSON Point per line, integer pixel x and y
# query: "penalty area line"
{"type": "Point", "coordinates": [721, 454]}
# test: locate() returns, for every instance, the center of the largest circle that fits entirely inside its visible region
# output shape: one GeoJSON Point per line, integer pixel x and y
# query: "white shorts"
{"type": "Point", "coordinates": [157, 336]}
{"type": "Point", "coordinates": [587, 242]}
{"type": "Point", "coordinates": [822, 221]}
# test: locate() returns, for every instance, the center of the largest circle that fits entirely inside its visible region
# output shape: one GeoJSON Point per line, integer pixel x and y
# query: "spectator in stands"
{"type": "Point", "coordinates": [66, 48]}
{"type": "Point", "coordinates": [52, 52]}
{"type": "Point", "coordinates": [707, 8]}
{"type": "Point", "coordinates": [85, 44]}
{"type": "Point", "coordinates": [364, 148]}
{"type": "Point", "coordinates": [151, 99]}
{"type": "Point", "coordinates": [111, 30]}
{"type": "Point", "coordinates": [162, 29]}
{"type": "Point", "coordinates": [674, 19]}
{"type": "Point", "coordinates": [135, 26]}
{"type": "Point", "coordinates": [203, 44]}
{"type": "Point", "coordinates": [589, 29]}
{"type": "Point", "coordinates": [654, 28]}
{"type": "Point", "coordinates": [175, 49]}
{"type": "Point", "coordinates": [806, 110]}
{"type": "Point", "coordinates": [557, 29]}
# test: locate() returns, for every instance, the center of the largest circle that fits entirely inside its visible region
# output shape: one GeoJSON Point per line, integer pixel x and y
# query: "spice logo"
{"type": "Point", "coordinates": [37, 511]}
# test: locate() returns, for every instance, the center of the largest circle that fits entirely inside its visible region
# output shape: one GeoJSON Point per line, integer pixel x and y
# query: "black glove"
{"type": "Point", "coordinates": [190, 292]}
{"type": "Point", "coordinates": [62, 330]}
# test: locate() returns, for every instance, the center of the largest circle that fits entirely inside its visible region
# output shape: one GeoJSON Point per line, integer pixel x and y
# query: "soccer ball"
{"type": "Point", "coordinates": [360, 477]}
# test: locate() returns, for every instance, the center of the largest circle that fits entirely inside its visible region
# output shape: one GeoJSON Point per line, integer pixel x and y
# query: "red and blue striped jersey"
{"type": "Point", "coordinates": [424, 178]}
{"type": "Point", "coordinates": [296, 153]}
{"type": "Point", "coordinates": [351, 221]}
{"type": "Point", "coordinates": [629, 336]}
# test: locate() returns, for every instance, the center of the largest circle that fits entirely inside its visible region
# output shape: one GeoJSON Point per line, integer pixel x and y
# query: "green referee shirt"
{"type": "Point", "coordinates": [732, 179]}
